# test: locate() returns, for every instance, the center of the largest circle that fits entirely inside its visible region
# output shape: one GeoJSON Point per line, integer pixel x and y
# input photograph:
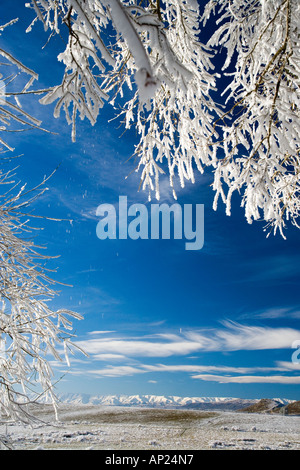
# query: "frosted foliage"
{"type": "Point", "coordinates": [175, 127]}
{"type": "Point", "coordinates": [261, 127]}
{"type": "Point", "coordinates": [30, 331]}
{"type": "Point", "coordinates": [250, 141]}
{"type": "Point", "coordinates": [151, 52]}
{"type": "Point", "coordinates": [10, 110]}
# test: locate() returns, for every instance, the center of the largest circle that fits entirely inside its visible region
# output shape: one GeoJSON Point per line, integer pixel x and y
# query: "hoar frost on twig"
{"type": "Point", "coordinates": [251, 142]}
{"type": "Point", "coordinates": [260, 131]}
{"type": "Point", "coordinates": [162, 53]}
{"type": "Point", "coordinates": [30, 331]}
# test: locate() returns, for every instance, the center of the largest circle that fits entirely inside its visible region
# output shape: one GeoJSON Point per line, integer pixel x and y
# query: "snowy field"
{"type": "Point", "coordinates": [92, 427]}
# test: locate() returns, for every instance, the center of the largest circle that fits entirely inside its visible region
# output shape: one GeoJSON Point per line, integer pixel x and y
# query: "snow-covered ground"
{"type": "Point", "coordinates": [133, 428]}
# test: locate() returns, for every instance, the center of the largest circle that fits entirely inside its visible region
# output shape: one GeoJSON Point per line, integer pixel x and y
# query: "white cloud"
{"type": "Point", "coordinates": [124, 354]}
{"type": "Point", "coordinates": [205, 368]}
{"type": "Point", "coordinates": [121, 370]}
{"type": "Point", "coordinates": [117, 371]}
{"type": "Point", "coordinates": [109, 357]}
{"type": "Point", "coordinates": [100, 332]}
{"type": "Point", "coordinates": [274, 313]}
{"type": "Point", "coordinates": [285, 365]}
{"type": "Point", "coordinates": [231, 337]}
{"type": "Point", "coordinates": [246, 379]}
{"type": "Point", "coordinates": [239, 337]}
{"type": "Point", "coordinates": [141, 348]}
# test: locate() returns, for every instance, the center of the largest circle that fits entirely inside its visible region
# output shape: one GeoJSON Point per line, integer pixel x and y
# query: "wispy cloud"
{"type": "Point", "coordinates": [289, 366]}
{"type": "Point", "coordinates": [100, 332]}
{"type": "Point", "coordinates": [247, 379]}
{"type": "Point", "coordinates": [141, 348]}
{"type": "Point", "coordinates": [123, 354]}
{"type": "Point", "coordinates": [231, 337]}
{"type": "Point", "coordinates": [240, 337]}
{"type": "Point", "coordinates": [275, 313]}
{"type": "Point", "coordinates": [202, 372]}
{"type": "Point", "coordinates": [117, 371]}
{"type": "Point", "coordinates": [110, 357]}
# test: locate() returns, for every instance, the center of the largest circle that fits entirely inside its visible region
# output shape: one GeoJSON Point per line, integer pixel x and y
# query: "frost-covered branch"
{"type": "Point", "coordinates": [30, 330]}
{"type": "Point", "coordinates": [260, 129]}
{"type": "Point", "coordinates": [11, 112]}
{"type": "Point", "coordinates": [250, 140]}
{"type": "Point", "coordinates": [174, 128]}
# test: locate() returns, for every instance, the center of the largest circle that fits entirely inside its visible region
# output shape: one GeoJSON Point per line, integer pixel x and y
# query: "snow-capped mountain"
{"type": "Point", "coordinates": [161, 401]}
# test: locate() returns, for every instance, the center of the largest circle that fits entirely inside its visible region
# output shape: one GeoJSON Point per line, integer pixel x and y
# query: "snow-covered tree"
{"type": "Point", "coordinates": [164, 52]}
{"type": "Point", "coordinates": [260, 129]}
{"type": "Point", "coordinates": [250, 140]}
{"type": "Point", "coordinates": [30, 331]}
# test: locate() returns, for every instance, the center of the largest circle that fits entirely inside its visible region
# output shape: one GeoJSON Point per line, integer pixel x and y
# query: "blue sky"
{"type": "Point", "coordinates": [158, 319]}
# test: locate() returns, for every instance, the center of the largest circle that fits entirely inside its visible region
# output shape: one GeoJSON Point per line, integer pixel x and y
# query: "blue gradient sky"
{"type": "Point", "coordinates": [157, 319]}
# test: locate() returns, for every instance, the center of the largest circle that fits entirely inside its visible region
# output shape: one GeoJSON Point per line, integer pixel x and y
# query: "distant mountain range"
{"type": "Point", "coordinates": [161, 401]}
